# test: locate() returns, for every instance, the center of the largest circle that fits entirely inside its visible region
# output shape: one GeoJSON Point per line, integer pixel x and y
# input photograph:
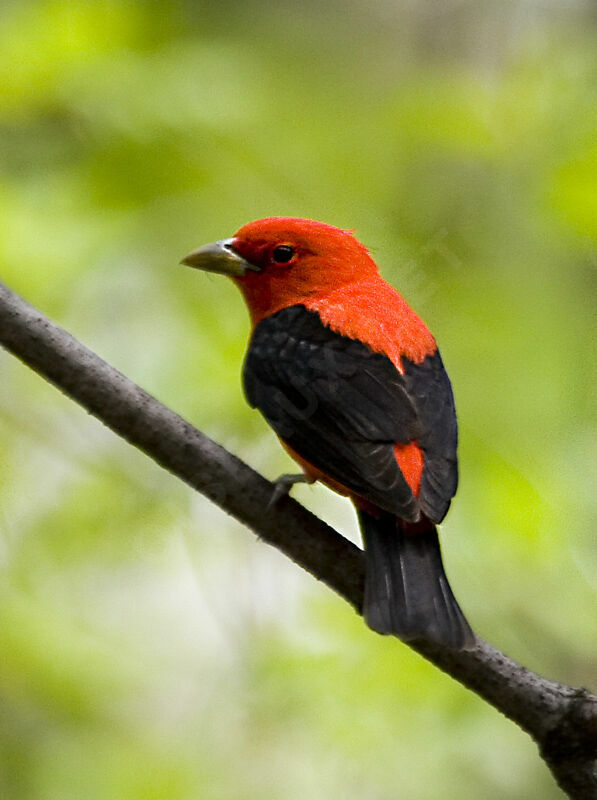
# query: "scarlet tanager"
{"type": "Point", "coordinates": [353, 384]}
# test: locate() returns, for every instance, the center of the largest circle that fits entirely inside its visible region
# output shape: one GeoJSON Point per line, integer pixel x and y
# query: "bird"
{"type": "Point", "coordinates": [352, 382]}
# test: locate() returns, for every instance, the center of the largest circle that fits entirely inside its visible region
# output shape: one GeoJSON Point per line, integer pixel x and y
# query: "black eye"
{"type": "Point", "coordinates": [283, 253]}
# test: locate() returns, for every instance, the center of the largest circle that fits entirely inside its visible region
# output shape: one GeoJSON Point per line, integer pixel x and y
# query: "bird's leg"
{"type": "Point", "coordinates": [285, 483]}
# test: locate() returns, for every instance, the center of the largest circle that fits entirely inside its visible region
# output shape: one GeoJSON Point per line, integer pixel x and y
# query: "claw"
{"type": "Point", "coordinates": [284, 484]}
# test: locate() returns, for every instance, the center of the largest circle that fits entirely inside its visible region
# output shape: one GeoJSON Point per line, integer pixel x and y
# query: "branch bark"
{"type": "Point", "coordinates": [561, 719]}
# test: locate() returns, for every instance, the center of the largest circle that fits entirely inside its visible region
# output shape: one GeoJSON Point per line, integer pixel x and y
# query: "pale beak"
{"type": "Point", "coordinates": [219, 257]}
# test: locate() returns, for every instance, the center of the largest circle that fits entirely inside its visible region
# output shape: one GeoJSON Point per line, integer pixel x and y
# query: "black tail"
{"type": "Point", "coordinates": [406, 590]}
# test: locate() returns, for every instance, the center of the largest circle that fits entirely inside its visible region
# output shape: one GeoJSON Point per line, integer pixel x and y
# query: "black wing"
{"type": "Point", "coordinates": [430, 390]}
{"type": "Point", "coordinates": [342, 407]}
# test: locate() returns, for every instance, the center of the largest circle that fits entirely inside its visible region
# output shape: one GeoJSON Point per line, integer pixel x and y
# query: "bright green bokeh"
{"type": "Point", "coordinates": [149, 648]}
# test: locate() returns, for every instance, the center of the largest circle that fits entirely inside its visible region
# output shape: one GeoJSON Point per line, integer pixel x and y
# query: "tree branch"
{"type": "Point", "coordinates": [561, 719]}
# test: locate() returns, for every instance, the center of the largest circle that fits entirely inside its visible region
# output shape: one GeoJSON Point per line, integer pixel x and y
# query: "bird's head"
{"type": "Point", "coordinates": [280, 261]}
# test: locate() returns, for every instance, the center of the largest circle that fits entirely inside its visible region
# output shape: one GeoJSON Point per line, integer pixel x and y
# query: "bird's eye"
{"type": "Point", "coordinates": [283, 253]}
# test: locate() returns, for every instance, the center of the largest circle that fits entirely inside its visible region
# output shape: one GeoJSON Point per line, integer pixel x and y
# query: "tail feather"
{"type": "Point", "coordinates": [406, 589]}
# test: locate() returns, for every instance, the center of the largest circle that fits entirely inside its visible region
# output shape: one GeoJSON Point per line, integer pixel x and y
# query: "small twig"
{"type": "Point", "coordinates": [561, 719]}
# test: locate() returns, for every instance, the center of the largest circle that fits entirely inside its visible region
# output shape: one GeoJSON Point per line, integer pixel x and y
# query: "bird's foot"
{"type": "Point", "coordinates": [284, 484]}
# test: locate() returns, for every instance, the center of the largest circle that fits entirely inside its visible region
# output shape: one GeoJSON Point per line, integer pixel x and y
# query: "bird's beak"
{"type": "Point", "coordinates": [219, 257]}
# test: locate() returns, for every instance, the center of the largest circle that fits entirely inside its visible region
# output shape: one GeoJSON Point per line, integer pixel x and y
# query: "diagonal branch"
{"type": "Point", "coordinates": [561, 719]}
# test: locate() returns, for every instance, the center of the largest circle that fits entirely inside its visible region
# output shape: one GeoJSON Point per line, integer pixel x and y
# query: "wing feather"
{"type": "Point", "coordinates": [342, 407]}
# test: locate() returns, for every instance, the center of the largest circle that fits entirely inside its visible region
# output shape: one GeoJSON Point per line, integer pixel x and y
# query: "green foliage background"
{"type": "Point", "coordinates": [150, 649]}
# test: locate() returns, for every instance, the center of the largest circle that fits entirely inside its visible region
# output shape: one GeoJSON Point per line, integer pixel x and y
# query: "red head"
{"type": "Point", "coordinates": [286, 259]}
{"type": "Point", "coordinates": [322, 252]}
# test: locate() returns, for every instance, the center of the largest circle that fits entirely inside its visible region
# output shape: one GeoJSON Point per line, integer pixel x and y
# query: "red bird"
{"type": "Point", "coordinates": [353, 384]}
